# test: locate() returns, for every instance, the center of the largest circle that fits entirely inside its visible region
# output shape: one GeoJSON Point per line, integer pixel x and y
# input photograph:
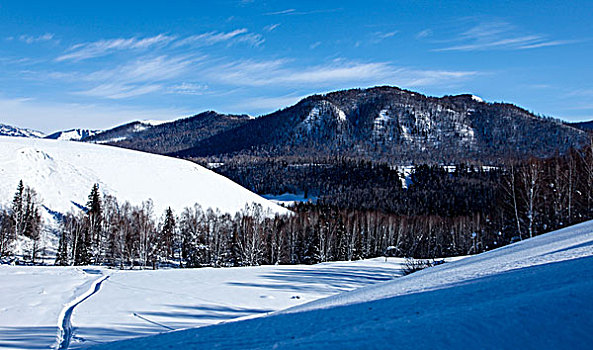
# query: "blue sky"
{"type": "Point", "coordinates": [67, 64]}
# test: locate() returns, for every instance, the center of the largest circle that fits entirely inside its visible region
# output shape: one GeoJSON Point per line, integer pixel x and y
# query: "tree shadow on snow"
{"type": "Point", "coordinates": [203, 312]}
{"type": "Point", "coordinates": [34, 338]}
{"type": "Point", "coordinates": [322, 280]}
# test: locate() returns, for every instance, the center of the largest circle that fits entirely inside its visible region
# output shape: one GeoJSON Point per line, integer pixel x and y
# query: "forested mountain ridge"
{"type": "Point", "coordinates": [170, 136]}
{"type": "Point", "coordinates": [394, 125]}
{"type": "Point", "coordinates": [585, 126]}
{"type": "Point", "coordinates": [385, 124]}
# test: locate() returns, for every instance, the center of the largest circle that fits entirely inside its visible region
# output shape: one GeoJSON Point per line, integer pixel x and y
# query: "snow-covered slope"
{"type": "Point", "coordinates": [73, 134]}
{"type": "Point", "coordinates": [530, 295]}
{"type": "Point", "coordinates": [133, 303]}
{"type": "Point", "coordinates": [8, 130]}
{"type": "Point", "coordinates": [62, 172]}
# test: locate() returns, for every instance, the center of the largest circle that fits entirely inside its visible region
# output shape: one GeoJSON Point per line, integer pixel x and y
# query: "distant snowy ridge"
{"type": "Point", "coordinates": [73, 134]}
{"type": "Point", "coordinates": [8, 130]}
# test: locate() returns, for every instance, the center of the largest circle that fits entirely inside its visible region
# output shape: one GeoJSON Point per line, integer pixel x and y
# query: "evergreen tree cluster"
{"type": "Point", "coordinates": [21, 220]}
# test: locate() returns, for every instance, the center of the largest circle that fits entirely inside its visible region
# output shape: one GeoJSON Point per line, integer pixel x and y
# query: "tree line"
{"type": "Point", "coordinates": [440, 213]}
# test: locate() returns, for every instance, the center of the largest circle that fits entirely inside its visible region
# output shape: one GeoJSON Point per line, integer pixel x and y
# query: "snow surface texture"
{"type": "Point", "coordinates": [530, 295]}
{"type": "Point", "coordinates": [39, 305]}
{"type": "Point", "coordinates": [63, 173]}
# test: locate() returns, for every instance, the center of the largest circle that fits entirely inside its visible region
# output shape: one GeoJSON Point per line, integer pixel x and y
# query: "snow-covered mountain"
{"type": "Point", "coordinates": [8, 130]}
{"type": "Point", "coordinates": [391, 124]}
{"type": "Point", "coordinates": [73, 134]}
{"type": "Point", "coordinates": [62, 172]}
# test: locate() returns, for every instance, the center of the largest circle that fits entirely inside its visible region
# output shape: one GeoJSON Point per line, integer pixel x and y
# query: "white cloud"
{"type": "Point", "coordinates": [423, 34]}
{"type": "Point", "coordinates": [277, 72]}
{"type": "Point", "coordinates": [271, 27]}
{"type": "Point", "coordinates": [188, 89]}
{"type": "Point", "coordinates": [139, 77]}
{"type": "Point", "coordinates": [378, 37]}
{"type": "Point", "coordinates": [281, 12]}
{"type": "Point", "coordinates": [212, 38]}
{"type": "Point", "coordinates": [300, 13]}
{"type": "Point", "coordinates": [145, 70]}
{"type": "Point", "coordinates": [119, 91]}
{"type": "Point", "coordinates": [29, 39]}
{"type": "Point", "coordinates": [499, 36]}
{"type": "Point", "coordinates": [100, 48]}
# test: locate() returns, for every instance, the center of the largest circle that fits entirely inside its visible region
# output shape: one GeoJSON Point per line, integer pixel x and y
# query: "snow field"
{"type": "Point", "coordinates": [139, 303]}
{"type": "Point", "coordinates": [530, 295]}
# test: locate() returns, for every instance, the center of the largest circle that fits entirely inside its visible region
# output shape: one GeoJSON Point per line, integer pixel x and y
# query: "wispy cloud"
{"type": "Point", "coordinates": [423, 34]}
{"type": "Point", "coordinates": [29, 39]}
{"type": "Point", "coordinates": [188, 89]}
{"type": "Point", "coordinates": [281, 12]}
{"type": "Point", "coordinates": [212, 38]}
{"type": "Point", "coordinates": [380, 36]}
{"type": "Point", "coordinates": [278, 72]}
{"type": "Point", "coordinates": [136, 78]}
{"type": "Point", "coordinates": [499, 36]}
{"type": "Point", "coordinates": [118, 91]}
{"type": "Point", "coordinates": [145, 70]}
{"type": "Point", "coordinates": [294, 12]}
{"type": "Point", "coordinates": [271, 27]}
{"type": "Point", "coordinates": [100, 48]}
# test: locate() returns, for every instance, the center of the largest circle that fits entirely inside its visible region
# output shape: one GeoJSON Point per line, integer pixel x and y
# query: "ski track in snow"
{"type": "Point", "coordinates": [65, 331]}
{"type": "Point", "coordinates": [152, 322]}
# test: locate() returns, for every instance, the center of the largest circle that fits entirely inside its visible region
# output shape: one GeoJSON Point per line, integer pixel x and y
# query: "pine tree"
{"type": "Point", "coordinates": [16, 212]}
{"type": "Point", "coordinates": [92, 239]}
{"type": "Point", "coordinates": [168, 234]}
{"type": "Point", "coordinates": [62, 253]}
{"type": "Point", "coordinates": [6, 234]}
{"type": "Point", "coordinates": [31, 216]}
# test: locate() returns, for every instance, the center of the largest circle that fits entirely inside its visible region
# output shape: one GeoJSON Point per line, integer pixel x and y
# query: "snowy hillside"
{"type": "Point", "coordinates": [8, 130]}
{"type": "Point", "coordinates": [534, 294]}
{"type": "Point", "coordinates": [63, 172]}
